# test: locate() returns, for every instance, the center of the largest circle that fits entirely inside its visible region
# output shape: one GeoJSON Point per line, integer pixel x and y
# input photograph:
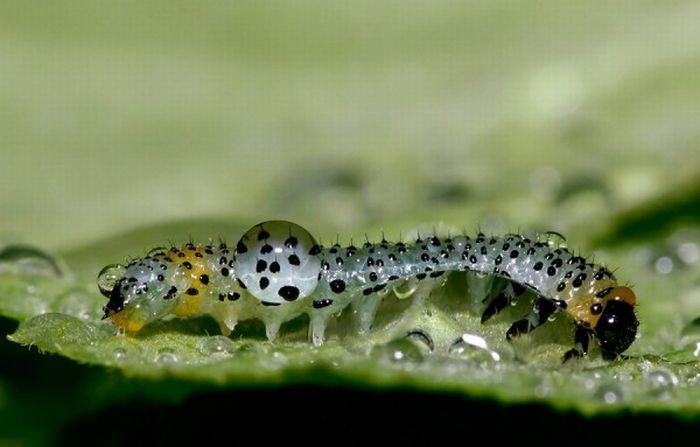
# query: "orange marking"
{"type": "Point", "coordinates": [131, 326]}
{"type": "Point", "coordinates": [623, 294]}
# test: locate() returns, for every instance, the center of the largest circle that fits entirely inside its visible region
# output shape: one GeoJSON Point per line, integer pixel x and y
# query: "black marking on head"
{"type": "Point", "coordinates": [337, 285]}
{"type": "Point", "coordinates": [116, 301]}
{"type": "Point", "coordinates": [288, 293]}
{"type": "Point", "coordinates": [616, 328]}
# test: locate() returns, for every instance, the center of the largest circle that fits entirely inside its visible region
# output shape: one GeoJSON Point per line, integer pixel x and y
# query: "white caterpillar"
{"type": "Point", "coordinates": [277, 272]}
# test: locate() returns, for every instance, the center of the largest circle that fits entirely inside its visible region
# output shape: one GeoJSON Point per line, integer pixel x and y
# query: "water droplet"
{"type": "Point", "coordinates": [421, 337]}
{"type": "Point", "coordinates": [29, 260]}
{"type": "Point", "coordinates": [398, 351]}
{"type": "Point", "coordinates": [119, 354]}
{"type": "Point", "coordinates": [689, 252]}
{"type": "Point", "coordinates": [217, 345]}
{"type": "Point", "coordinates": [108, 278]}
{"type": "Point", "coordinates": [156, 251]}
{"type": "Point", "coordinates": [609, 394]}
{"type": "Point", "coordinates": [662, 378]}
{"type": "Point", "coordinates": [664, 265]}
{"type": "Point", "coordinates": [167, 356]}
{"type": "Point", "coordinates": [473, 346]}
{"type": "Point", "coordinates": [405, 289]}
{"type": "Point", "coordinates": [553, 239]}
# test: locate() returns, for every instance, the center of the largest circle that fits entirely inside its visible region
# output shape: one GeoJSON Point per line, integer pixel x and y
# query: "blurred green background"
{"type": "Point", "coordinates": [580, 117]}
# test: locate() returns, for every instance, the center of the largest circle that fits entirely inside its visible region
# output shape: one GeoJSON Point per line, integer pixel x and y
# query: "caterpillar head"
{"type": "Point", "coordinates": [132, 291]}
{"type": "Point", "coordinates": [277, 262]}
{"type": "Point", "coordinates": [617, 326]}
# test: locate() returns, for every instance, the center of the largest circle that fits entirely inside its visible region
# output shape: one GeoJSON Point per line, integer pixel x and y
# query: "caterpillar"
{"type": "Point", "coordinates": [277, 271]}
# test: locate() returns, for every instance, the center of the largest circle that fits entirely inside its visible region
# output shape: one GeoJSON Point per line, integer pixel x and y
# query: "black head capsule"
{"type": "Point", "coordinates": [617, 328]}
{"type": "Point", "coordinates": [116, 301]}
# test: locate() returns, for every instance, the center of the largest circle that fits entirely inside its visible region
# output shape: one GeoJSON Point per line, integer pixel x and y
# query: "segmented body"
{"type": "Point", "coordinates": [277, 271]}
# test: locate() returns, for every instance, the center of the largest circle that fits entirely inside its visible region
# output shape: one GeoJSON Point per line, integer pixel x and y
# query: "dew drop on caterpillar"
{"type": "Point", "coordinates": [277, 271]}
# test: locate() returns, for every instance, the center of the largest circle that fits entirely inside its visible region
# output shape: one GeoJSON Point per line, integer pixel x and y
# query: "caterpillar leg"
{"type": "Point", "coordinates": [508, 294]}
{"type": "Point", "coordinates": [541, 311]}
{"type": "Point", "coordinates": [365, 309]}
{"type": "Point", "coordinates": [582, 337]}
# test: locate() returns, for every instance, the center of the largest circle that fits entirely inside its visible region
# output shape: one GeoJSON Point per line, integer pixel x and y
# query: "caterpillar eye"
{"type": "Point", "coordinates": [616, 328]}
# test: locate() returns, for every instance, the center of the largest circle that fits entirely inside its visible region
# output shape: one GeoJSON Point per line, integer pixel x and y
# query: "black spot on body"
{"type": "Point", "coordinates": [204, 279]}
{"type": "Point", "coordinates": [291, 242]}
{"type": "Point", "coordinates": [316, 249]}
{"type": "Point", "coordinates": [320, 304]}
{"type": "Point", "coordinates": [192, 291]}
{"type": "Point", "coordinates": [293, 259]}
{"type": "Point", "coordinates": [265, 249]}
{"type": "Point", "coordinates": [289, 293]}
{"type": "Point", "coordinates": [337, 285]}
{"type": "Point", "coordinates": [263, 235]}
{"type": "Point", "coordinates": [275, 267]}
{"type": "Point", "coordinates": [260, 266]}
{"type": "Point", "coordinates": [264, 282]}
{"type": "Point", "coordinates": [241, 247]}
{"type": "Point", "coordinates": [538, 266]}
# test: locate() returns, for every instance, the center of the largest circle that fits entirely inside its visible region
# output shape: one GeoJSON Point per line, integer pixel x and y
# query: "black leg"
{"type": "Point", "coordinates": [582, 337]}
{"type": "Point", "coordinates": [511, 292]}
{"type": "Point", "coordinates": [541, 311]}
